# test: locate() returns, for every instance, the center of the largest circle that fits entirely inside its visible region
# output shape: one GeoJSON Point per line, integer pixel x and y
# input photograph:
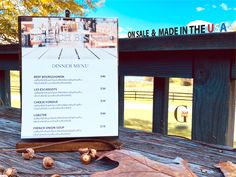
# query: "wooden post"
{"type": "Point", "coordinates": [211, 100]}
{"type": "Point", "coordinates": [5, 89]}
{"type": "Point", "coordinates": [121, 99]}
{"type": "Point", "coordinates": [230, 129]}
{"type": "Point", "coordinates": [233, 67]}
{"type": "Point", "coordinates": [160, 105]}
{"type": "Point", "coordinates": [2, 88]}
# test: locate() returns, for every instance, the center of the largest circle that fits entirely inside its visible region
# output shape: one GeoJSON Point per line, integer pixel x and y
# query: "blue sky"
{"type": "Point", "coordinates": [150, 14]}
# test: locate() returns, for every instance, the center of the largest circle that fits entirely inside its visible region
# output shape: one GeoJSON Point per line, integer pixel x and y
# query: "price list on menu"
{"type": "Point", "coordinates": [69, 77]}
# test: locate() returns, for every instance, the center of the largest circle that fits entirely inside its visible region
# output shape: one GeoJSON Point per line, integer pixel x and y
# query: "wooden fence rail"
{"type": "Point", "coordinates": [148, 95]}
{"type": "Point", "coordinates": [15, 89]}
{"type": "Point", "coordinates": [143, 95]}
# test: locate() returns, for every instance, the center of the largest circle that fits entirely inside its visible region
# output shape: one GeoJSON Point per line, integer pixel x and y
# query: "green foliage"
{"type": "Point", "coordinates": [11, 9]}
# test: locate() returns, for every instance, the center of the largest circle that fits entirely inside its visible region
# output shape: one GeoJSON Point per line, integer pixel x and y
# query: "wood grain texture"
{"type": "Point", "coordinates": [232, 110]}
{"type": "Point", "coordinates": [5, 90]}
{"type": "Point", "coordinates": [10, 49]}
{"type": "Point", "coordinates": [9, 64]}
{"type": "Point", "coordinates": [211, 92]}
{"type": "Point", "coordinates": [233, 66]}
{"type": "Point", "coordinates": [201, 157]}
{"type": "Point", "coordinates": [121, 86]}
{"type": "Point", "coordinates": [160, 105]}
{"type": "Point", "coordinates": [157, 64]}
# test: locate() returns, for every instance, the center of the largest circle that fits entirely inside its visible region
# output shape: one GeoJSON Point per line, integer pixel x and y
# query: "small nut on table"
{"type": "Point", "coordinates": [48, 162]}
{"type": "Point", "coordinates": [93, 153]}
{"type": "Point", "coordinates": [29, 154]}
{"type": "Point", "coordinates": [85, 159]}
{"type": "Point", "coordinates": [56, 175]}
{"type": "Point", "coordinates": [10, 172]}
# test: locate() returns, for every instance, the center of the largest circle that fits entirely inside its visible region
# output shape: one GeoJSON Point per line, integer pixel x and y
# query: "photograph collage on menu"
{"type": "Point", "coordinates": [69, 77]}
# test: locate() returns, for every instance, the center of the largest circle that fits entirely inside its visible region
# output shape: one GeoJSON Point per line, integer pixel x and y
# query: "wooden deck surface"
{"type": "Point", "coordinates": [201, 157]}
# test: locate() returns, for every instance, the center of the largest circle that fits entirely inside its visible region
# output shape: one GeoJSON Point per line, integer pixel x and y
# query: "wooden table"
{"type": "Point", "coordinates": [201, 157]}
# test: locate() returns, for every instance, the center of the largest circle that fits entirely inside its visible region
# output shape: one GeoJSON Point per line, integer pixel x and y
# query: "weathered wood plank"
{"type": "Point", "coordinates": [153, 145]}
{"type": "Point", "coordinates": [195, 152]}
{"type": "Point", "coordinates": [157, 64]}
{"type": "Point", "coordinates": [232, 110]}
{"type": "Point", "coordinates": [211, 91]}
{"type": "Point", "coordinates": [121, 86]}
{"type": "Point", "coordinates": [233, 69]}
{"type": "Point", "coordinates": [10, 113]}
{"type": "Point", "coordinates": [9, 49]}
{"type": "Point", "coordinates": [160, 105]}
{"type": "Point", "coordinates": [165, 148]}
{"type": "Point", "coordinates": [5, 90]}
{"type": "Point", "coordinates": [9, 64]}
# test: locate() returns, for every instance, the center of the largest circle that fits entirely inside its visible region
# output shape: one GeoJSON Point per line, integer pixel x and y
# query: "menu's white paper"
{"type": "Point", "coordinates": [69, 77]}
